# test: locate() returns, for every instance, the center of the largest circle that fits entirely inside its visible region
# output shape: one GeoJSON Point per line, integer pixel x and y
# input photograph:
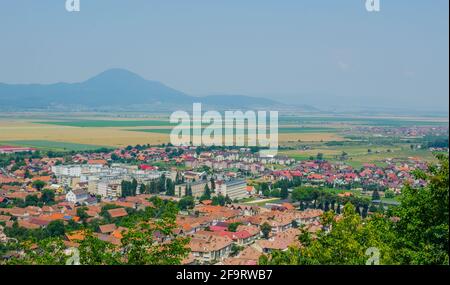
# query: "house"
{"type": "Point", "coordinates": [15, 212]}
{"type": "Point", "coordinates": [97, 162]}
{"type": "Point", "coordinates": [75, 236]}
{"type": "Point", "coordinates": [117, 213]}
{"type": "Point", "coordinates": [253, 233]}
{"type": "Point", "coordinates": [28, 225]}
{"type": "Point", "coordinates": [107, 229]}
{"type": "Point", "coordinates": [4, 218]}
{"type": "Point", "coordinates": [77, 196]}
{"type": "Point", "coordinates": [207, 248]}
{"type": "Point", "coordinates": [246, 210]}
{"type": "Point", "coordinates": [249, 256]}
{"type": "Point", "coordinates": [193, 176]}
{"type": "Point", "coordinates": [281, 241]}
{"type": "Point", "coordinates": [119, 232]}
{"type": "Point", "coordinates": [251, 190]}
{"type": "Point", "coordinates": [15, 149]}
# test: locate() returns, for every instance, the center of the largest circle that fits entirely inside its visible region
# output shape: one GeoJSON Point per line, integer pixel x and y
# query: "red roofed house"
{"type": "Point", "coordinates": [117, 213]}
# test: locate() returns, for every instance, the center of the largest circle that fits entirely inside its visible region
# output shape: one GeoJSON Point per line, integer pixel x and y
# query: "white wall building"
{"type": "Point", "coordinates": [235, 189]}
{"type": "Point", "coordinates": [77, 196]}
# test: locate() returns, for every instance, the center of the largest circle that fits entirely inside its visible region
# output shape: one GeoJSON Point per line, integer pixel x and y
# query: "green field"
{"type": "Point", "coordinates": [156, 131]}
{"type": "Point", "coordinates": [358, 154]}
{"type": "Point", "coordinates": [52, 145]}
{"type": "Point", "coordinates": [281, 130]}
{"type": "Point", "coordinates": [261, 202]}
{"type": "Point", "coordinates": [108, 123]}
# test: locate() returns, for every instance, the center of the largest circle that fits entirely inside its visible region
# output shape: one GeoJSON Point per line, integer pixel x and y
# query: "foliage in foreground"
{"type": "Point", "coordinates": [147, 243]}
{"type": "Point", "coordinates": [416, 232]}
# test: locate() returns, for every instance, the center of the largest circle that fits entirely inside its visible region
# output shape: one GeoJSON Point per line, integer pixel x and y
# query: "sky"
{"type": "Point", "coordinates": [324, 53]}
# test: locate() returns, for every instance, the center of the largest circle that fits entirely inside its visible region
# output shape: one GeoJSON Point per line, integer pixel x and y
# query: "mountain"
{"type": "Point", "coordinates": [115, 89]}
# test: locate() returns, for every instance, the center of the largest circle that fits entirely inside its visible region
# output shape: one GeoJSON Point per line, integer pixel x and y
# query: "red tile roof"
{"type": "Point", "coordinates": [116, 213]}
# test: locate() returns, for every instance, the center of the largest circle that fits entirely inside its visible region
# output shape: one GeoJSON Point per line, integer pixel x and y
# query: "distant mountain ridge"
{"type": "Point", "coordinates": [115, 89]}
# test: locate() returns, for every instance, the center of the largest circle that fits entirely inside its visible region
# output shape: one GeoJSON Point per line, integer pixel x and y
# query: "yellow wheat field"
{"type": "Point", "coordinates": [11, 130]}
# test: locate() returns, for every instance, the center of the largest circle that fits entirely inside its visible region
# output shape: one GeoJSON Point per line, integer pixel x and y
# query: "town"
{"type": "Point", "coordinates": [233, 204]}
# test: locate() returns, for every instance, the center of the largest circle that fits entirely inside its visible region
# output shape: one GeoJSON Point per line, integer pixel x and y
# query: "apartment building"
{"type": "Point", "coordinates": [235, 189]}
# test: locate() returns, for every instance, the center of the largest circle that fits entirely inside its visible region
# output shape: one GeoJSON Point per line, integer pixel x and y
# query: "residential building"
{"type": "Point", "coordinates": [209, 249]}
{"type": "Point", "coordinates": [77, 196]}
{"type": "Point", "coordinates": [235, 189]}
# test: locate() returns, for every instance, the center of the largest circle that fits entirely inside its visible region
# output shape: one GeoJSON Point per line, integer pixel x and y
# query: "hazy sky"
{"type": "Point", "coordinates": [323, 52]}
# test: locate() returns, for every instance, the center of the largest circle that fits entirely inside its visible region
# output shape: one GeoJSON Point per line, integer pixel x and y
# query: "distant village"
{"type": "Point", "coordinates": [224, 205]}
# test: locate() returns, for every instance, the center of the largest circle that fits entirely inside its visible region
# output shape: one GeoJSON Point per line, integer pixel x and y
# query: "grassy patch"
{"type": "Point", "coordinates": [357, 155]}
{"type": "Point", "coordinates": [108, 123]}
{"type": "Point", "coordinates": [53, 145]}
{"type": "Point", "coordinates": [307, 130]}
{"type": "Point", "coordinates": [263, 202]}
{"type": "Point", "coordinates": [281, 130]}
{"type": "Point", "coordinates": [157, 131]}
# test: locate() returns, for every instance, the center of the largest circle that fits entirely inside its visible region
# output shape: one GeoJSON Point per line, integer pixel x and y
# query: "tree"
{"type": "Point", "coordinates": [265, 190]}
{"type": "Point", "coordinates": [233, 226]}
{"type": "Point", "coordinates": [170, 187]}
{"type": "Point", "coordinates": [49, 251]}
{"type": "Point", "coordinates": [235, 249]}
{"type": "Point", "coordinates": [423, 216]}
{"type": "Point", "coordinates": [188, 191]}
{"type": "Point", "coordinates": [178, 178]}
{"type": "Point", "coordinates": [284, 193]}
{"type": "Point", "coordinates": [81, 213]}
{"type": "Point", "coordinates": [376, 195]}
{"type": "Point", "coordinates": [220, 200]}
{"type": "Point", "coordinates": [140, 248]}
{"type": "Point", "coordinates": [137, 247]}
{"type": "Point", "coordinates": [129, 188]}
{"type": "Point", "coordinates": [38, 184]}
{"type": "Point", "coordinates": [143, 188]}
{"type": "Point", "coordinates": [48, 196]}
{"type": "Point", "coordinates": [275, 193]}
{"type": "Point", "coordinates": [134, 185]}
{"type": "Point", "coordinates": [153, 187]}
{"type": "Point", "coordinates": [304, 194]}
{"type": "Point", "coordinates": [389, 194]}
{"type": "Point", "coordinates": [319, 156]}
{"type": "Point", "coordinates": [415, 232]}
{"type": "Point", "coordinates": [206, 194]}
{"type": "Point", "coordinates": [266, 229]}
{"type": "Point", "coordinates": [55, 229]}
{"type": "Point", "coordinates": [94, 251]}
{"type": "Point", "coordinates": [305, 237]}
{"type": "Point", "coordinates": [186, 203]}
{"type": "Point", "coordinates": [31, 200]}
{"type": "Point", "coordinates": [345, 243]}
{"type": "Point", "coordinates": [27, 174]}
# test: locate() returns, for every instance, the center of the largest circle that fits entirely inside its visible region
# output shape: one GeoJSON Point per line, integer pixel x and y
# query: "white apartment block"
{"type": "Point", "coordinates": [109, 190]}
{"type": "Point", "coordinates": [235, 189]}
